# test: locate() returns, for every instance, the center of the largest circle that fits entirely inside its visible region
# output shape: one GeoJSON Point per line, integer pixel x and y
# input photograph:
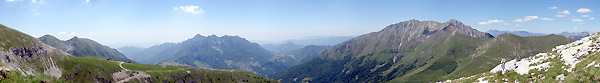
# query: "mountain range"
{"type": "Point", "coordinates": [226, 52]}
{"type": "Point", "coordinates": [410, 51]}
{"type": "Point", "coordinates": [572, 35]}
{"type": "Point", "coordinates": [26, 59]}
{"type": "Point", "coordinates": [416, 51]}
{"type": "Point", "coordinates": [82, 47]}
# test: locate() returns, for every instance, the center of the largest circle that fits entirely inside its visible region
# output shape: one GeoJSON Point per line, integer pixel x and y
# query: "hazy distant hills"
{"type": "Point", "coordinates": [129, 50]}
{"type": "Point", "coordinates": [82, 47]}
{"type": "Point", "coordinates": [285, 48]}
{"type": "Point", "coordinates": [519, 33]}
{"type": "Point", "coordinates": [26, 59]}
{"type": "Point", "coordinates": [572, 35]}
{"type": "Point", "coordinates": [575, 35]}
{"type": "Point", "coordinates": [416, 51]}
{"type": "Point", "coordinates": [322, 41]}
{"type": "Point", "coordinates": [300, 55]}
{"type": "Point", "coordinates": [226, 52]}
{"type": "Point", "coordinates": [311, 40]}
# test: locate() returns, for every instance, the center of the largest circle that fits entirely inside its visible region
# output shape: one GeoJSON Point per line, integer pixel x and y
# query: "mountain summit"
{"type": "Point", "coordinates": [415, 28]}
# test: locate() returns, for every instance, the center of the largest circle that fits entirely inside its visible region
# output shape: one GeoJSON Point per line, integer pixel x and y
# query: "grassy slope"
{"type": "Point", "coordinates": [12, 34]}
{"type": "Point", "coordinates": [580, 75]}
{"type": "Point", "coordinates": [510, 47]}
{"type": "Point", "coordinates": [95, 69]}
{"type": "Point", "coordinates": [459, 58]}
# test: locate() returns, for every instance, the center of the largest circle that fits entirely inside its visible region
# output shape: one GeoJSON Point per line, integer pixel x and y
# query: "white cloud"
{"type": "Point", "coordinates": [565, 12]}
{"type": "Point", "coordinates": [585, 15]}
{"type": "Point", "coordinates": [576, 20]}
{"type": "Point", "coordinates": [527, 18]}
{"type": "Point", "coordinates": [518, 25]}
{"type": "Point", "coordinates": [583, 10]}
{"type": "Point", "coordinates": [592, 18]}
{"type": "Point", "coordinates": [490, 22]}
{"type": "Point", "coordinates": [575, 28]}
{"type": "Point", "coordinates": [87, 1]}
{"type": "Point", "coordinates": [190, 9]}
{"type": "Point", "coordinates": [506, 24]}
{"type": "Point", "coordinates": [547, 19]}
{"type": "Point", "coordinates": [62, 33]}
{"type": "Point", "coordinates": [73, 33]}
{"type": "Point", "coordinates": [553, 7]}
{"type": "Point", "coordinates": [33, 1]}
{"type": "Point", "coordinates": [10, 0]}
{"type": "Point", "coordinates": [175, 8]}
{"type": "Point", "coordinates": [560, 15]}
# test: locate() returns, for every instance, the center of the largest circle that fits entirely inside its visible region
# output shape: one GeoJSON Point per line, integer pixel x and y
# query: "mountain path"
{"type": "Point", "coordinates": [121, 65]}
{"type": "Point", "coordinates": [123, 74]}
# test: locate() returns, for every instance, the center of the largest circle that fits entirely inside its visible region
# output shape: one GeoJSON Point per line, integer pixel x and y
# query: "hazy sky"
{"type": "Point", "coordinates": [147, 22]}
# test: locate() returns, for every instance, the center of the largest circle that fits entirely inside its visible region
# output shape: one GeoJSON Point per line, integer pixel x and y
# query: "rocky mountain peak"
{"type": "Point", "coordinates": [416, 27]}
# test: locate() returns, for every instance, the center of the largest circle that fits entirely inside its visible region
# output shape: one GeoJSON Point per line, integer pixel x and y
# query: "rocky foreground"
{"type": "Point", "coordinates": [573, 62]}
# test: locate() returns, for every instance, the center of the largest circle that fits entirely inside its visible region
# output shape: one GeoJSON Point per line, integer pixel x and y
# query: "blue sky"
{"type": "Point", "coordinates": [147, 22]}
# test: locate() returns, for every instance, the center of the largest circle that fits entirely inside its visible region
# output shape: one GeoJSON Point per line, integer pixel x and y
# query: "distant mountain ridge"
{"type": "Point", "coordinates": [225, 52]}
{"type": "Point", "coordinates": [300, 55]}
{"type": "Point", "coordinates": [415, 51]}
{"type": "Point", "coordinates": [575, 35]}
{"type": "Point", "coordinates": [311, 40]}
{"type": "Point", "coordinates": [285, 48]}
{"type": "Point", "coordinates": [519, 33]}
{"type": "Point", "coordinates": [322, 41]}
{"type": "Point", "coordinates": [572, 35]}
{"type": "Point", "coordinates": [82, 47]}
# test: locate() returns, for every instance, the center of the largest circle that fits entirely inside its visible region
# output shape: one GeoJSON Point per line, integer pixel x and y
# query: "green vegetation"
{"type": "Point", "coordinates": [16, 77]}
{"type": "Point", "coordinates": [86, 69]}
{"type": "Point", "coordinates": [585, 71]}
{"type": "Point", "coordinates": [206, 76]}
{"type": "Point", "coordinates": [11, 38]}
{"type": "Point", "coordinates": [142, 67]}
